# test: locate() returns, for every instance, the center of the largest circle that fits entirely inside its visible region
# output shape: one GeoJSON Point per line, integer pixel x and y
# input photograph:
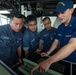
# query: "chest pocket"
{"type": "Point", "coordinates": [46, 37]}
{"type": "Point", "coordinates": [4, 41]}
{"type": "Point", "coordinates": [52, 36]}
{"type": "Point", "coordinates": [34, 43]}
{"type": "Point", "coordinates": [18, 42]}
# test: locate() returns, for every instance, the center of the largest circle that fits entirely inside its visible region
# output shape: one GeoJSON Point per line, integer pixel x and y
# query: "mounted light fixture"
{"type": "Point", "coordinates": [4, 12]}
{"type": "Point", "coordinates": [74, 5]}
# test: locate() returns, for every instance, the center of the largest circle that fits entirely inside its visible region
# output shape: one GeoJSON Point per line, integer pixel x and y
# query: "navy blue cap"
{"type": "Point", "coordinates": [63, 5]}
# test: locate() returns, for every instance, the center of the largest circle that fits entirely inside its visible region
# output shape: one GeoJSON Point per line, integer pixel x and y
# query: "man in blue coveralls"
{"type": "Point", "coordinates": [66, 35]}
{"type": "Point", "coordinates": [11, 40]}
{"type": "Point", "coordinates": [31, 37]}
{"type": "Point", "coordinates": [47, 35]}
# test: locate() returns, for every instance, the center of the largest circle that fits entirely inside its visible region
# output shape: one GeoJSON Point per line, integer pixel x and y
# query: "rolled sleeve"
{"type": "Point", "coordinates": [41, 38]}
{"type": "Point", "coordinates": [25, 48]}
{"type": "Point", "coordinates": [26, 43]}
{"type": "Point", "coordinates": [41, 41]}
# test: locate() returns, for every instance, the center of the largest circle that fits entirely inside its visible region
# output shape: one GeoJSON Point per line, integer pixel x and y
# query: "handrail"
{"type": "Point", "coordinates": [6, 67]}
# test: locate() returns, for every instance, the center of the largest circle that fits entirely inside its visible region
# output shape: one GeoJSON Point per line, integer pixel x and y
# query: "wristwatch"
{"type": "Point", "coordinates": [48, 53]}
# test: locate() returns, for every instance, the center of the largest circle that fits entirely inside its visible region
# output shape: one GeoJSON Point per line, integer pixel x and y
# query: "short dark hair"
{"type": "Point", "coordinates": [31, 18]}
{"type": "Point", "coordinates": [24, 17]}
{"type": "Point", "coordinates": [46, 18]}
{"type": "Point", "coordinates": [15, 14]}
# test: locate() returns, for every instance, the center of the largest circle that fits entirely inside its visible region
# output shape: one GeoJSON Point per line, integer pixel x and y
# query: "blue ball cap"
{"type": "Point", "coordinates": [63, 5]}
